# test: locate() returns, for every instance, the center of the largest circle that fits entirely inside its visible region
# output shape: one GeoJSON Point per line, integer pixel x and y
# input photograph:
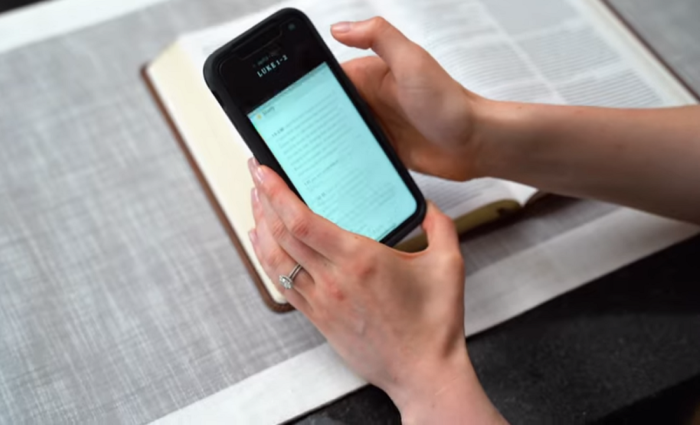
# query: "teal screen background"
{"type": "Point", "coordinates": [328, 152]}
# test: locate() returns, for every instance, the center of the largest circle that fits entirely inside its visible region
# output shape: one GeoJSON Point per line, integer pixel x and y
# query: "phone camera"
{"type": "Point", "coordinates": [292, 27]}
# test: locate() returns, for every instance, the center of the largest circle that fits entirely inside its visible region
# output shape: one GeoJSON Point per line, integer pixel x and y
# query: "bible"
{"type": "Point", "coordinates": [559, 52]}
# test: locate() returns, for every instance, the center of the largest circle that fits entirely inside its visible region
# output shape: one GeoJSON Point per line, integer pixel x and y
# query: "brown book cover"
{"type": "Point", "coordinates": [267, 298]}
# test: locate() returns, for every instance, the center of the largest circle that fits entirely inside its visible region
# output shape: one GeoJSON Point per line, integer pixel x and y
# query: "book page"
{"type": "Point", "coordinates": [323, 14]}
{"type": "Point", "coordinates": [545, 51]}
{"type": "Point", "coordinates": [459, 198]}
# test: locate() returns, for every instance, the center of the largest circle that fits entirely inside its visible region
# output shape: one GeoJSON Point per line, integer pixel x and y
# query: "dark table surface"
{"type": "Point", "coordinates": [623, 349]}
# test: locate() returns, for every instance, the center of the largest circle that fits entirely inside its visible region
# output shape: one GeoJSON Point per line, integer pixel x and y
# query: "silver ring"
{"type": "Point", "coordinates": [287, 282]}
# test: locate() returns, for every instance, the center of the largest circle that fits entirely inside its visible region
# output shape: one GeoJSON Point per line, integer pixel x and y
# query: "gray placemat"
{"type": "Point", "coordinates": [671, 28]}
{"type": "Point", "coordinates": [122, 297]}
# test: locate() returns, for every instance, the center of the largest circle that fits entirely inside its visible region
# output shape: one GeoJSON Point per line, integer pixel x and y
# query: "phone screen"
{"type": "Point", "coordinates": [332, 157]}
{"type": "Point", "coordinates": [283, 84]}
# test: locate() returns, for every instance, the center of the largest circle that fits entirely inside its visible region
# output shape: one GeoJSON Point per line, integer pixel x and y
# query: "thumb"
{"type": "Point", "coordinates": [440, 230]}
{"type": "Point", "coordinates": [376, 34]}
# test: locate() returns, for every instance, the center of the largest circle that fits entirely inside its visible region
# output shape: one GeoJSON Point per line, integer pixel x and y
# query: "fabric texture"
{"type": "Point", "coordinates": [122, 297]}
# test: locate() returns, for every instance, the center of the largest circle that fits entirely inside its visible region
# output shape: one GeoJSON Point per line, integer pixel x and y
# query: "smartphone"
{"type": "Point", "coordinates": [300, 115]}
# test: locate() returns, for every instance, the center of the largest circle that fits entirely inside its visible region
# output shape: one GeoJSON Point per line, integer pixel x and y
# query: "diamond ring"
{"type": "Point", "coordinates": [287, 282]}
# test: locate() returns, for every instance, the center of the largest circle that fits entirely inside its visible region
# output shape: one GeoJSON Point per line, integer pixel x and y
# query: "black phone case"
{"type": "Point", "coordinates": [258, 146]}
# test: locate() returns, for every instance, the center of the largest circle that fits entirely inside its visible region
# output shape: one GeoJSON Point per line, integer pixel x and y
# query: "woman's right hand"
{"type": "Point", "coordinates": [641, 158]}
{"type": "Point", "coordinates": [427, 115]}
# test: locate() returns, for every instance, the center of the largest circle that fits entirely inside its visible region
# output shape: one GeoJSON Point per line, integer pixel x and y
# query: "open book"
{"type": "Point", "coordinates": [567, 52]}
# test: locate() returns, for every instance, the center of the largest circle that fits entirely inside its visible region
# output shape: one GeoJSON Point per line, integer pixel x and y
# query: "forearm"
{"type": "Point", "coordinates": [448, 393]}
{"type": "Point", "coordinates": [646, 159]}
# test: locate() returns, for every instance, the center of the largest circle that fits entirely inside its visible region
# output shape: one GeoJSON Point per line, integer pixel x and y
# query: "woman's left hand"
{"type": "Point", "coordinates": [396, 318]}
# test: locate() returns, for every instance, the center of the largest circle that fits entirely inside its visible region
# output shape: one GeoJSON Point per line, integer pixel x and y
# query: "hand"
{"type": "Point", "coordinates": [395, 318]}
{"type": "Point", "coordinates": [641, 158]}
{"type": "Point", "coordinates": [427, 115]}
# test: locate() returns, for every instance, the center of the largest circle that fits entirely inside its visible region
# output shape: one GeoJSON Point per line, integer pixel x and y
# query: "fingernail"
{"type": "Point", "coordinates": [254, 198]}
{"type": "Point", "coordinates": [341, 27]}
{"type": "Point", "coordinates": [259, 174]}
{"type": "Point", "coordinates": [253, 236]}
{"type": "Point", "coordinates": [251, 166]}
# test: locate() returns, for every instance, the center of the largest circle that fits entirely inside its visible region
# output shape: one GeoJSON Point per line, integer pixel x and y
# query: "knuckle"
{"type": "Point", "coordinates": [362, 259]}
{"type": "Point", "coordinates": [336, 293]}
{"type": "Point", "coordinates": [274, 260]}
{"type": "Point", "coordinates": [364, 266]}
{"type": "Point", "coordinates": [379, 23]}
{"type": "Point", "coordinates": [355, 246]}
{"type": "Point", "coordinates": [278, 230]}
{"type": "Point", "coordinates": [273, 191]}
{"type": "Point", "coordinates": [453, 261]}
{"type": "Point", "coordinates": [352, 66]}
{"type": "Point", "coordinates": [365, 270]}
{"type": "Point", "coordinates": [299, 226]}
{"type": "Point", "coordinates": [333, 290]}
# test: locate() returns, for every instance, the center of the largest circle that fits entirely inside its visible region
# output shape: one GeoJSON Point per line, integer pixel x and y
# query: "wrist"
{"type": "Point", "coordinates": [447, 391]}
{"type": "Point", "coordinates": [502, 135]}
